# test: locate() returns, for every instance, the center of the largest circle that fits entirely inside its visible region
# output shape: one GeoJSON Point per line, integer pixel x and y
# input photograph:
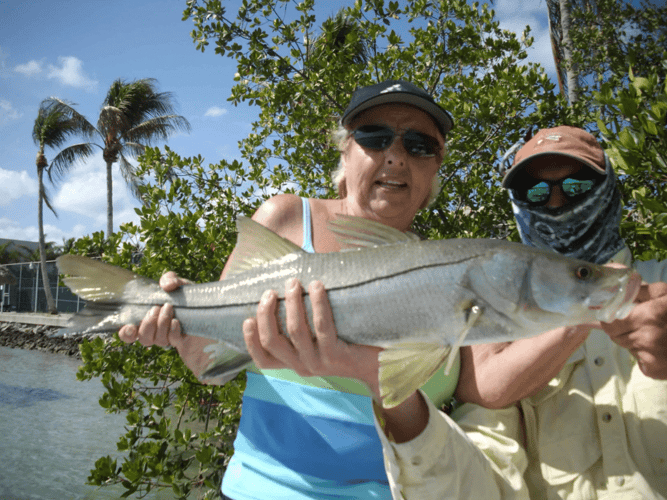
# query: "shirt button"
{"type": "Point", "coordinates": [606, 417]}
{"type": "Point", "coordinates": [620, 481]}
{"type": "Point", "coordinates": [599, 361]}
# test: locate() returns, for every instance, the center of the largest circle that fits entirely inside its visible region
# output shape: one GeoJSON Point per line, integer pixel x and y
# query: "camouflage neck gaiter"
{"type": "Point", "coordinates": [587, 230]}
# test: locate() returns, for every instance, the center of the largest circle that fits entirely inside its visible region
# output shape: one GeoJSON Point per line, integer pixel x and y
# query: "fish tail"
{"type": "Point", "coordinates": [406, 367]}
{"type": "Point", "coordinates": [95, 317]}
{"type": "Point", "coordinates": [104, 288]}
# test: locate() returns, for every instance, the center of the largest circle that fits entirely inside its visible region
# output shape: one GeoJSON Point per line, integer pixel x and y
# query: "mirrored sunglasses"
{"type": "Point", "coordinates": [540, 192]}
{"type": "Point", "coordinates": [379, 138]}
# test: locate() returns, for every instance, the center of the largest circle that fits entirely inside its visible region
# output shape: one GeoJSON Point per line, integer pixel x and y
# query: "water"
{"type": "Point", "coordinates": [52, 429]}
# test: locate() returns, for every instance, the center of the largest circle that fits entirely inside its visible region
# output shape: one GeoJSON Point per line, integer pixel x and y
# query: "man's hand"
{"type": "Point", "coordinates": [644, 331]}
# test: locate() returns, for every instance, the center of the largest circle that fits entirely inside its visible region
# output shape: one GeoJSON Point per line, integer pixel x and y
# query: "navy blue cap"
{"type": "Point", "coordinates": [397, 91]}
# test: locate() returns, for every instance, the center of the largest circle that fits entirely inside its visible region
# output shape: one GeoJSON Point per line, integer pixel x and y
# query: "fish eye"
{"type": "Point", "coordinates": [583, 272]}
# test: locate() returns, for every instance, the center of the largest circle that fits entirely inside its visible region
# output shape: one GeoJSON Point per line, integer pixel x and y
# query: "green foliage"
{"type": "Point", "coordinates": [300, 73]}
{"type": "Point", "coordinates": [620, 52]}
{"type": "Point", "coordinates": [179, 432]}
{"type": "Point", "coordinates": [638, 152]}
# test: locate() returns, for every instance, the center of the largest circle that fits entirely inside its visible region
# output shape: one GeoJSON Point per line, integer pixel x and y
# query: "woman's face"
{"type": "Point", "coordinates": [391, 185]}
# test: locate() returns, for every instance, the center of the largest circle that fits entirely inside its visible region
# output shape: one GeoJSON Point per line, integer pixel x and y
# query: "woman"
{"type": "Point", "coordinates": [315, 437]}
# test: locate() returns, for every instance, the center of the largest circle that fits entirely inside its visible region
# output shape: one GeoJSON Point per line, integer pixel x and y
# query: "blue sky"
{"type": "Point", "coordinates": [75, 49]}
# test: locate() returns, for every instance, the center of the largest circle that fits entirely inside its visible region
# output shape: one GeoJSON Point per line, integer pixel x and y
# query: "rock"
{"type": "Point", "coordinates": [37, 337]}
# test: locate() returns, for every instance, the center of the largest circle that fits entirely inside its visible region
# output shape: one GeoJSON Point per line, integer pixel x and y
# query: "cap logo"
{"type": "Point", "coordinates": [552, 137]}
{"type": "Point", "coordinates": [394, 88]}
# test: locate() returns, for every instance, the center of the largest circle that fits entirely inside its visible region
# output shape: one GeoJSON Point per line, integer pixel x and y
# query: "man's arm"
{"type": "Point", "coordinates": [444, 462]}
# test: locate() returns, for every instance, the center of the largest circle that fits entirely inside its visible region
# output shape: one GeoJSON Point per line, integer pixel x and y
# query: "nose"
{"type": "Point", "coordinates": [395, 153]}
{"type": "Point", "coordinates": [557, 198]}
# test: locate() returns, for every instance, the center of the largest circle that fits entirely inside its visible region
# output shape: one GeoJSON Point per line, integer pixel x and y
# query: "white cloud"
{"type": "Point", "coordinates": [14, 185]}
{"type": "Point", "coordinates": [215, 111]}
{"type": "Point", "coordinates": [13, 230]}
{"type": "Point", "coordinates": [31, 68]}
{"type": "Point", "coordinates": [70, 72]}
{"type": "Point", "coordinates": [84, 192]}
{"type": "Point", "coordinates": [8, 112]}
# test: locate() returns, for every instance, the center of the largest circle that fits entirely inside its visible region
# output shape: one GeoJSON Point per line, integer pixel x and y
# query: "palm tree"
{"type": "Point", "coordinates": [133, 116]}
{"type": "Point", "coordinates": [56, 122]}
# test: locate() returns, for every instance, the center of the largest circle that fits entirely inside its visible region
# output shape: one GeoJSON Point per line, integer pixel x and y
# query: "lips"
{"type": "Point", "coordinates": [390, 184]}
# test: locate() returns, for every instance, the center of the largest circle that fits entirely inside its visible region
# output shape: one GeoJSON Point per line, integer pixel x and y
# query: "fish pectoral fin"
{"type": "Point", "coordinates": [257, 245]}
{"type": "Point", "coordinates": [474, 314]}
{"type": "Point", "coordinates": [353, 232]}
{"type": "Point", "coordinates": [406, 367]}
{"type": "Point", "coordinates": [224, 364]}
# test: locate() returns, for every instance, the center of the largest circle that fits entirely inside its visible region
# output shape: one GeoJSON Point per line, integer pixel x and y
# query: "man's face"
{"type": "Point", "coordinates": [554, 181]}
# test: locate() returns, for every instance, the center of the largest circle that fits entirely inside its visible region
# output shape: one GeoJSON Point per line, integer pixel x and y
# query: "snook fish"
{"type": "Point", "coordinates": [420, 300]}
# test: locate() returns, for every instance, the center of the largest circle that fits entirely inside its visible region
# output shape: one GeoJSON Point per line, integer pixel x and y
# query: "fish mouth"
{"type": "Point", "coordinates": [621, 302]}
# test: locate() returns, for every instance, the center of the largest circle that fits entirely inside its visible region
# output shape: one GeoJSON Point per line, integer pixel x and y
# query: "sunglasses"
{"type": "Point", "coordinates": [379, 138]}
{"type": "Point", "coordinates": [572, 187]}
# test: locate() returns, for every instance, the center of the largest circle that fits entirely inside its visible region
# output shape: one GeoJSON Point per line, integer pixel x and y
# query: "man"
{"type": "Point", "coordinates": [577, 413]}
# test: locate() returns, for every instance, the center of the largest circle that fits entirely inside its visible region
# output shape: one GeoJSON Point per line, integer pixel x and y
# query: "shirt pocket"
{"type": "Point", "coordinates": [565, 430]}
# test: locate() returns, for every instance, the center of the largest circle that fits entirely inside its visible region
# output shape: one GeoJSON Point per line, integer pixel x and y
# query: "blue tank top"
{"type": "Point", "coordinates": [312, 437]}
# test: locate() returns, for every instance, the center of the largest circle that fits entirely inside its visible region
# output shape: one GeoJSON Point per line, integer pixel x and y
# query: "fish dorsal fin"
{"type": "Point", "coordinates": [95, 280]}
{"type": "Point", "coordinates": [257, 245]}
{"type": "Point", "coordinates": [355, 232]}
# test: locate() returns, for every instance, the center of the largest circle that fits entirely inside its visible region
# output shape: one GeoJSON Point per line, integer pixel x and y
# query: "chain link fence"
{"type": "Point", "coordinates": [25, 292]}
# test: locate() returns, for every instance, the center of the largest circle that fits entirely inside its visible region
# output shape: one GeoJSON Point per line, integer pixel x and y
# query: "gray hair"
{"type": "Point", "coordinates": [341, 138]}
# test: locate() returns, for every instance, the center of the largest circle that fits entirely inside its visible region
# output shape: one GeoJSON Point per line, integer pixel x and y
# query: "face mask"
{"type": "Point", "coordinates": [587, 229]}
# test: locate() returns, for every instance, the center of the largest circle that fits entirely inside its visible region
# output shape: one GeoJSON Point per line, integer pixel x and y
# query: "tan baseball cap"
{"type": "Point", "coordinates": [564, 140]}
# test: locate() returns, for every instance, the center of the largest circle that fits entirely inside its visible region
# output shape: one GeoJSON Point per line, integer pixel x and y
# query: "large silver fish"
{"type": "Point", "coordinates": [420, 300]}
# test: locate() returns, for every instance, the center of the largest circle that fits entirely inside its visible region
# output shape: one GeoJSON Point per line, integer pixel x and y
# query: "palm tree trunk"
{"type": "Point", "coordinates": [572, 77]}
{"type": "Point", "coordinates": [42, 245]}
{"type": "Point", "coordinates": [109, 201]}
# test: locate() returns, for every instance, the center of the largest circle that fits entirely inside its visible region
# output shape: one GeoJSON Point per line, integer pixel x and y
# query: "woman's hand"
{"type": "Point", "coordinates": [323, 353]}
{"type": "Point", "coordinates": [159, 322]}
{"type": "Point", "coordinates": [159, 327]}
{"type": "Point", "coordinates": [320, 353]}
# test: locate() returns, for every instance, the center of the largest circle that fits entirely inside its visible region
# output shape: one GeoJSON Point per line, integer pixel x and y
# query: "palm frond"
{"type": "Point", "coordinates": [68, 157]}
{"type": "Point", "coordinates": [57, 121]}
{"type": "Point", "coordinates": [133, 149]}
{"type": "Point", "coordinates": [47, 201]}
{"type": "Point", "coordinates": [157, 128]}
{"type": "Point", "coordinates": [129, 174]}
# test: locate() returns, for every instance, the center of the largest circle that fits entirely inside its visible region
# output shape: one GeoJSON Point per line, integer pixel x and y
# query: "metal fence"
{"type": "Point", "coordinates": [27, 294]}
